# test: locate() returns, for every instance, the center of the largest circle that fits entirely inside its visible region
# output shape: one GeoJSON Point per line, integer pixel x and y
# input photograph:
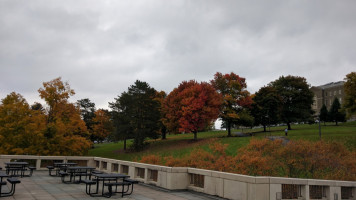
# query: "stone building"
{"type": "Point", "coordinates": [325, 94]}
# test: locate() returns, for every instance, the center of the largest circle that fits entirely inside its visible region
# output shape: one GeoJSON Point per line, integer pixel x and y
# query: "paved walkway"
{"type": "Point", "coordinates": [42, 186]}
{"type": "Point", "coordinates": [284, 139]}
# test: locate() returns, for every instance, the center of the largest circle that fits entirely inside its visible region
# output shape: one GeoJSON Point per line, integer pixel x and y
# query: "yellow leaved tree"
{"type": "Point", "coordinates": [21, 128]}
{"type": "Point", "coordinates": [65, 131]}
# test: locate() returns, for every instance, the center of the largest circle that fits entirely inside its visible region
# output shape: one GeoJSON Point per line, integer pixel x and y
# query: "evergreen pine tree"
{"type": "Point", "coordinates": [323, 116]}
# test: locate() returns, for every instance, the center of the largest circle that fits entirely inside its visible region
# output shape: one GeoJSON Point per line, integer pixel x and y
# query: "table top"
{"type": "Point", "coordinates": [113, 175]}
{"type": "Point", "coordinates": [2, 174]}
{"type": "Point", "coordinates": [65, 164]}
{"type": "Point", "coordinates": [16, 163]}
{"type": "Point", "coordinates": [81, 167]}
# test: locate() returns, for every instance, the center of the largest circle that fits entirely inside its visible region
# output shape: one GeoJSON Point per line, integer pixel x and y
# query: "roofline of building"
{"type": "Point", "coordinates": [331, 84]}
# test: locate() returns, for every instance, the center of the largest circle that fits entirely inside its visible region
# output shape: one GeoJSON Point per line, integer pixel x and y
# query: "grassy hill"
{"type": "Point", "coordinates": [182, 144]}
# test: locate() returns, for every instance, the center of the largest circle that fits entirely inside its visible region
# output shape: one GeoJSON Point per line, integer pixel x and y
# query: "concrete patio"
{"type": "Point", "coordinates": [42, 186]}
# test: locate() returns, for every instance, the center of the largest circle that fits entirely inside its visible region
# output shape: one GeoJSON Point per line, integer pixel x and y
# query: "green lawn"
{"type": "Point", "coordinates": [182, 144]}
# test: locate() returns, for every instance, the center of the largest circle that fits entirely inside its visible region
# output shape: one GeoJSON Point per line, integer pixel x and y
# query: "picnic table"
{"type": "Point", "coordinates": [80, 171]}
{"type": "Point", "coordinates": [108, 178]}
{"type": "Point", "coordinates": [62, 166]}
{"type": "Point", "coordinates": [18, 169]}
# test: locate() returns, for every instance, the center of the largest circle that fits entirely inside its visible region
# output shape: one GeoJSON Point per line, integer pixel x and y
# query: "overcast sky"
{"type": "Point", "coordinates": [102, 47]}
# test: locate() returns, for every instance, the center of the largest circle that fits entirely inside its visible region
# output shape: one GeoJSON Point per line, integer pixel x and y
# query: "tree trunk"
{"type": "Point", "coordinates": [228, 125]}
{"type": "Point", "coordinates": [164, 133]}
{"type": "Point", "coordinates": [289, 128]}
{"type": "Point", "coordinates": [195, 135]}
{"type": "Point", "coordinates": [125, 143]}
{"type": "Point", "coordinates": [336, 122]}
{"type": "Point", "coordinates": [264, 128]}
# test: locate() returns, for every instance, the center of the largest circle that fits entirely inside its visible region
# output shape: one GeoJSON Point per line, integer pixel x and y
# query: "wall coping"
{"type": "Point", "coordinates": [211, 173]}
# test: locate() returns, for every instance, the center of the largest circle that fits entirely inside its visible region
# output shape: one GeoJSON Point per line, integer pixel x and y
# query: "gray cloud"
{"type": "Point", "coordinates": [102, 47]}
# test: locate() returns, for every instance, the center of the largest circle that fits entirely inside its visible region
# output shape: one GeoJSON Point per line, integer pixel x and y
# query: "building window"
{"type": "Point", "coordinates": [339, 91]}
{"type": "Point", "coordinates": [334, 93]}
{"type": "Point", "coordinates": [340, 99]}
{"type": "Point", "coordinates": [326, 93]}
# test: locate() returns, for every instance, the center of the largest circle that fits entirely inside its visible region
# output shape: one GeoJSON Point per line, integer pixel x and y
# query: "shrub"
{"type": "Point", "coordinates": [298, 159]}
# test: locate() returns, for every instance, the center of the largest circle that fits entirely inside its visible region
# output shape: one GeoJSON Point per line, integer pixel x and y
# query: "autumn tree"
{"type": "Point", "coordinates": [172, 106]}
{"type": "Point", "coordinates": [324, 114]}
{"type": "Point", "coordinates": [102, 125]}
{"type": "Point", "coordinates": [55, 93]}
{"type": "Point", "coordinates": [235, 97]}
{"type": "Point", "coordinates": [196, 106]}
{"type": "Point", "coordinates": [21, 128]}
{"type": "Point", "coordinates": [160, 97]}
{"type": "Point", "coordinates": [335, 114]}
{"type": "Point", "coordinates": [296, 98]}
{"type": "Point", "coordinates": [350, 93]}
{"type": "Point", "coordinates": [139, 109]}
{"type": "Point", "coordinates": [66, 132]}
{"type": "Point", "coordinates": [266, 106]}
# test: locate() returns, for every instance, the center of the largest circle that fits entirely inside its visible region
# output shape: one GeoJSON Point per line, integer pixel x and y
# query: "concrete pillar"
{"type": "Point", "coordinates": [334, 193]}
{"type": "Point", "coordinates": [145, 179]}
{"type": "Point", "coordinates": [38, 164]}
{"type": "Point", "coordinates": [275, 191]}
{"type": "Point", "coordinates": [305, 192]}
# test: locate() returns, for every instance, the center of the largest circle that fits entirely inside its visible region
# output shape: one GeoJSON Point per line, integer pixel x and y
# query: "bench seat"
{"type": "Point", "coordinates": [131, 181]}
{"type": "Point", "coordinates": [88, 184]}
{"type": "Point", "coordinates": [63, 176]}
{"type": "Point", "coordinates": [50, 168]}
{"type": "Point", "coordinates": [13, 182]}
{"type": "Point", "coordinates": [122, 184]}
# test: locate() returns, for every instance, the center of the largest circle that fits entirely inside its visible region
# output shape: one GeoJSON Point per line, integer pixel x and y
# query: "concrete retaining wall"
{"type": "Point", "coordinates": [222, 184]}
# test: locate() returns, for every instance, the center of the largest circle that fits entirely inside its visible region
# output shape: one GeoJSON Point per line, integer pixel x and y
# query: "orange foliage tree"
{"type": "Point", "coordinates": [160, 97]}
{"type": "Point", "coordinates": [102, 125]}
{"type": "Point", "coordinates": [236, 98]}
{"type": "Point", "coordinates": [21, 128]}
{"type": "Point", "coordinates": [172, 106]}
{"type": "Point", "coordinates": [66, 132]}
{"type": "Point", "coordinates": [193, 105]}
{"type": "Point", "coordinates": [350, 94]}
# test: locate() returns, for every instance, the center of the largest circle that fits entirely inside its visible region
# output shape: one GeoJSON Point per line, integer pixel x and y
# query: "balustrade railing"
{"type": "Point", "coordinates": [227, 185]}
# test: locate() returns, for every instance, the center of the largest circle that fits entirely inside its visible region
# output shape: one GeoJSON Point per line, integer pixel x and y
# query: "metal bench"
{"type": "Point", "coordinates": [88, 184]}
{"type": "Point", "coordinates": [132, 184]}
{"type": "Point", "coordinates": [63, 176]}
{"type": "Point", "coordinates": [122, 184]}
{"type": "Point", "coordinates": [13, 182]}
{"type": "Point", "coordinates": [50, 168]}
